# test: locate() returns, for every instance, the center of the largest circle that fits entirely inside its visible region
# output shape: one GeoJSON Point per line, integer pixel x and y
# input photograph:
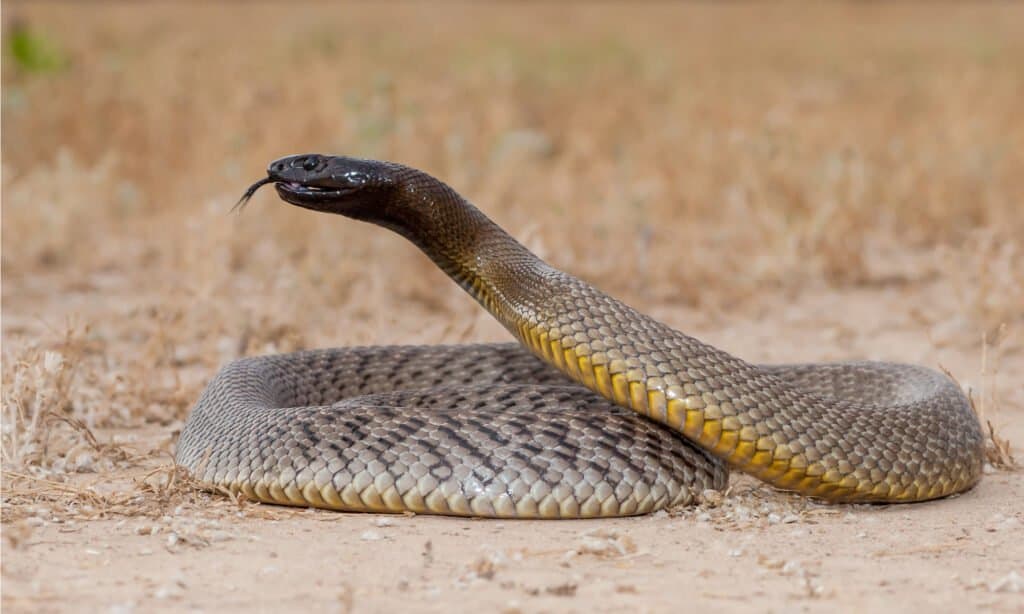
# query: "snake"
{"type": "Point", "coordinates": [594, 410]}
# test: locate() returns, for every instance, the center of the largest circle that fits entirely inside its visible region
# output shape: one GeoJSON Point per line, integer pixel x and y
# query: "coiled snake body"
{"type": "Point", "coordinates": [601, 411]}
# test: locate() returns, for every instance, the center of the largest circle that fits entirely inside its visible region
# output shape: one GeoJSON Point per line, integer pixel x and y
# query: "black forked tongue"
{"type": "Point", "coordinates": [244, 200]}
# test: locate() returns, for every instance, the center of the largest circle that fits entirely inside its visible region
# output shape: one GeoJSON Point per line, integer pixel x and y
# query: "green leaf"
{"type": "Point", "coordinates": [34, 53]}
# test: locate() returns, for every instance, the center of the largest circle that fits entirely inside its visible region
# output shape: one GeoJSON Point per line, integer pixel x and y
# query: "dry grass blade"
{"type": "Point", "coordinates": [997, 451]}
{"type": "Point", "coordinates": [24, 494]}
{"type": "Point", "coordinates": [168, 486]}
{"type": "Point", "coordinates": [153, 495]}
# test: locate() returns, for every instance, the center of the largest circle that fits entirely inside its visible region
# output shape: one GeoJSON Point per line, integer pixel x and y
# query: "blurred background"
{"type": "Point", "coordinates": [703, 162]}
{"type": "Point", "coordinates": [789, 182]}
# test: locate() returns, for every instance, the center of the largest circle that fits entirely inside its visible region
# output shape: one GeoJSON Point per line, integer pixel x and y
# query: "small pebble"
{"type": "Point", "coordinates": [791, 568]}
{"type": "Point", "coordinates": [1010, 583]}
{"type": "Point", "coordinates": [169, 591]}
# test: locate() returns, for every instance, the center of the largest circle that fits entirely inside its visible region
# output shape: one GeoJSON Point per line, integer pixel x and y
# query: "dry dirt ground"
{"type": "Point", "coordinates": [788, 183]}
{"type": "Point", "coordinates": [133, 548]}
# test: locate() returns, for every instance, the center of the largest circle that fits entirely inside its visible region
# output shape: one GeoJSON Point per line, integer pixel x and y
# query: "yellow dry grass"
{"type": "Point", "coordinates": [678, 155]}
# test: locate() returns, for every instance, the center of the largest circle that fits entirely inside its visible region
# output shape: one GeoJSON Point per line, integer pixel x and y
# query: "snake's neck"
{"type": "Point", "coordinates": [500, 273]}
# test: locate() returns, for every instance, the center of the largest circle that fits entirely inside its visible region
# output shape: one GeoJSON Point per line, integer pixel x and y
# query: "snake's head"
{"type": "Point", "coordinates": [334, 184]}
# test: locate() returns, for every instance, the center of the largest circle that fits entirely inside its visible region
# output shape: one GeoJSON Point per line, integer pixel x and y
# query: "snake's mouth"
{"type": "Point", "coordinates": [303, 195]}
{"type": "Point", "coordinates": [308, 195]}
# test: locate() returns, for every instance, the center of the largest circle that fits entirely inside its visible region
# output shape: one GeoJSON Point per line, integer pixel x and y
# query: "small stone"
{"type": "Point", "coordinates": [122, 608]}
{"type": "Point", "coordinates": [169, 591]}
{"type": "Point", "coordinates": [84, 463]}
{"type": "Point", "coordinates": [371, 536]}
{"type": "Point", "coordinates": [1010, 583]}
{"type": "Point", "coordinates": [792, 568]}
{"type": "Point", "coordinates": [52, 362]}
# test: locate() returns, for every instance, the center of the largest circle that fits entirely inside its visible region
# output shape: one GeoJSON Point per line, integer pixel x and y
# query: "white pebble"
{"type": "Point", "coordinates": [1010, 583]}
{"type": "Point", "coordinates": [168, 591]}
{"type": "Point", "coordinates": [792, 568]}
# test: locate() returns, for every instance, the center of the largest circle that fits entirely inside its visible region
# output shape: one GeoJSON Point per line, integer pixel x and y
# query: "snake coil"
{"type": "Point", "coordinates": [598, 411]}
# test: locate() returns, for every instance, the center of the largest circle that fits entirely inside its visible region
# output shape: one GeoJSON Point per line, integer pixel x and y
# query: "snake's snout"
{"type": "Point", "coordinates": [304, 173]}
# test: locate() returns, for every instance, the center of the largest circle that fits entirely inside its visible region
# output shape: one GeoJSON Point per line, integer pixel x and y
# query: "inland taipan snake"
{"type": "Point", "coordinates": [601, 411]}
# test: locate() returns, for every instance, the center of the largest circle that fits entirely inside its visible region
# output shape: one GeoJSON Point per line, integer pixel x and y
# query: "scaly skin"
{"type": "Point", "coordinates": [838, 432]}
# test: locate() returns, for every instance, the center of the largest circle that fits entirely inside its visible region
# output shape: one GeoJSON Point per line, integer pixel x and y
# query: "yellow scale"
{"type": "Point", "coordinates": [689, 413]}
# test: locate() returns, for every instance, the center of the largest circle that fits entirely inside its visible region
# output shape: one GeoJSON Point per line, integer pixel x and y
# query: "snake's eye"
{"type": "Point", "coordinates": [308, 164]}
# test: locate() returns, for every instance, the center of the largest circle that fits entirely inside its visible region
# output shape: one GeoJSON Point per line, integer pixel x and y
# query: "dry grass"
{"type": "Point", "coordinates": [691, 155]}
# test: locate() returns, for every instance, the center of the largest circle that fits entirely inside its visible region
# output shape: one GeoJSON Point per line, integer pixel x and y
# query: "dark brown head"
{"type": "Point", "coordinates": [333, 184]}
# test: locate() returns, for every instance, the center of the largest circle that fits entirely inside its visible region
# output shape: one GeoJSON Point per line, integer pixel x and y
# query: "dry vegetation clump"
{"type": "Point", "coordinates": [53, 399]}
{"type": "Point", "coordinates": [38, 394]}
{"type": "Point", "coordinates": [696, 156]}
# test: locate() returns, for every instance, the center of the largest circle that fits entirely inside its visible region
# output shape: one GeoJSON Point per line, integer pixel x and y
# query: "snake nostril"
{"type": "Point", "coordinates": [308, 164]}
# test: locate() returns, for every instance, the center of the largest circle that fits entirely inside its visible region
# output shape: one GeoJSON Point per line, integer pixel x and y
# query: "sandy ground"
{"type": "Point", "coordinates": [952, 556]}
{"type": "Point", "coordinates": [757, 548]}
